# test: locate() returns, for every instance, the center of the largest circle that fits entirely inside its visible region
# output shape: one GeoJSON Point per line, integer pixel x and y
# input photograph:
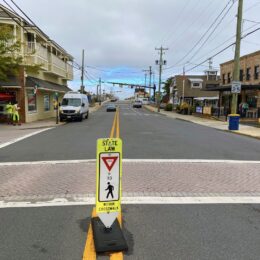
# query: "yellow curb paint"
{"type": "Point", "coordinates": [89, 251]}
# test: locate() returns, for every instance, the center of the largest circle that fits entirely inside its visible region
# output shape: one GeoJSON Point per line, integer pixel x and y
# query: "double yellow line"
{"type": "Point", "coordinates": [89, 251]}
{"type": "Point", "coordinates": [115, 130]}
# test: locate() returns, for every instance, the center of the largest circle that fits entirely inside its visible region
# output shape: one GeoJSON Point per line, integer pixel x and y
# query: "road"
{"type": "Point", "coordinates": [146, 135]}
{"type": "Point", "coordinates": [46, 205]}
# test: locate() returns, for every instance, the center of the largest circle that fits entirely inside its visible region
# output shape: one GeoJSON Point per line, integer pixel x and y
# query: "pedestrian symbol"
{"type": "Point", "coordinates": [110, 189]}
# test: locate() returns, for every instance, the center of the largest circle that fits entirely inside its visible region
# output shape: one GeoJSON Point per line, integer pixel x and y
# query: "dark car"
{"type": "Point", "coordinates": [137, 104]}
{"type": "Point", "coordinates": [111, 108]}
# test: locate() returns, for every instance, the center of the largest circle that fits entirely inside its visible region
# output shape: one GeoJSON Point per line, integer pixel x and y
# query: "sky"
{"type": "Point", "coordinates": [119, 37]}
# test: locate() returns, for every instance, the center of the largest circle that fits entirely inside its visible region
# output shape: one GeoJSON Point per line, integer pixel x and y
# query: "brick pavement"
{"type": "Point", "coordinates": [48, 181]}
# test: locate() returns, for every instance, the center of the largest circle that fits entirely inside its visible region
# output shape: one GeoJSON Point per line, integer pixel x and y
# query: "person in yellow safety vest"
{"type": "Point", "coordinates": [9, 112]}
{"type": "Point", "coordinates": [16, 117]}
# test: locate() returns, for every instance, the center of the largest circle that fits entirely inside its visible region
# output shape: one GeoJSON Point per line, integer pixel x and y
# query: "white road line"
{"type": "Point", "coordinates": [131, 161]}
{"type": "Point", "coordinates": [135, 200]}
{"type": "Point", "coordinates": [24, 137]}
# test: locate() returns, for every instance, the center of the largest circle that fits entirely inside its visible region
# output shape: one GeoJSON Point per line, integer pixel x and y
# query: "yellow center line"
{"type": "Point", "coordinates": [89, 251]}
{"type": "Point", "coordinates": [114, 125]}
{"type": "Point", "coordinates": [118, 255]}
{"type": "Point", "coordinates": [117, 126]}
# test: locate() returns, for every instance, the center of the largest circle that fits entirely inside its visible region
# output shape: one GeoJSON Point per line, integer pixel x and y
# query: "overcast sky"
{"type": "Point", "coordinates": [119, 36]}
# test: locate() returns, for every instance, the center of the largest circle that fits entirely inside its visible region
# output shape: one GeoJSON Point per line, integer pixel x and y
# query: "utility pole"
{"type": "Point", "coordinates": [236, 71]}
{"type": "Point", "coordinates": [82, 73]}
{"type": "Point", "coordinates": [150, 81]}
{"type": "Point", "coordinates": [183, 85]}
{"type": "Point", "coordinates": [160, 62]}
{"type": "Point", "coordinates": [100, 91]}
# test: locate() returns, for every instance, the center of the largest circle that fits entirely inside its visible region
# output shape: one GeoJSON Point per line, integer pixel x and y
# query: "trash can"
{"type": "Point", "coordinates": [233, 121]}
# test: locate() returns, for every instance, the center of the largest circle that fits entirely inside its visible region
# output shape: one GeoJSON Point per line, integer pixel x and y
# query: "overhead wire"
{"type": "Point", "coordinates": [202, 37]}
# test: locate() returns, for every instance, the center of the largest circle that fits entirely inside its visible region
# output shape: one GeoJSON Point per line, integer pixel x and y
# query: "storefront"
{"type": "Point", "coordinates": [250, 95]}
{"type": "Point", "coordinates": [36, 100]}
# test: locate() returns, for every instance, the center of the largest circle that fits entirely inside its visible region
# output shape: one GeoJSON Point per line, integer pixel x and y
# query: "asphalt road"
{"type": "Point", "coordinates": [145, 135]}
{"type": "Point", "coordinates": [152, 232]}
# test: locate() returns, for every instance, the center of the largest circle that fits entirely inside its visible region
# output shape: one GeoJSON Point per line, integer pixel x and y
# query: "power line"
{"type": "Point", "coordinates": [210, 27]}
{"type": "Point", "coordinates": [212, 32]}
{"type": "Point", "coordinates": [227, 47]}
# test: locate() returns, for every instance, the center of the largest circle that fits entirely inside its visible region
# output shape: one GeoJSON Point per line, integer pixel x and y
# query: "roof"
{"type": "Point", "coordinates": [47, 85]}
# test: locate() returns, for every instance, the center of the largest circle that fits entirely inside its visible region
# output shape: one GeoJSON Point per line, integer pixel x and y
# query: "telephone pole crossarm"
{"type": "Point", "coordinates": [160, 62]}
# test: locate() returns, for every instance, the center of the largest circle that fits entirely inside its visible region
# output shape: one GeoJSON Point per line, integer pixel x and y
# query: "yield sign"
{"type": "Point", "coordinates": [109, 162]}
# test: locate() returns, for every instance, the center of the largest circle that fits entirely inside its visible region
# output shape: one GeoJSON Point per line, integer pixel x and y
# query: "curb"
{"type": "Point", "coordinates": [186, 120]}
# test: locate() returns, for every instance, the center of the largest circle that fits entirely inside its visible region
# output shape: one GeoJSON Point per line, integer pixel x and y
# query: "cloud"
{"type": "Point", "coordinates": [120, 34]}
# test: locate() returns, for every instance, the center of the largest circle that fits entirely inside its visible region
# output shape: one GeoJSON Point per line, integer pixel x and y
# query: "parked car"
{"type": "Point", "coordinates": [75, 106]}
{"type": "Point", "coordinates": [111, 108]}
{"type": "Point", "coordinates": [137, 104]}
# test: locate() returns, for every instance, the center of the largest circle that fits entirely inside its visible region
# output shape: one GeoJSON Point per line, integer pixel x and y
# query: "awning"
{"type": "Point", "coordinates": [11, 82]}
{"type": "Point", "coordinates": [195, 80]}
{"type": "Point", "coordinates": [31, 82]}
{"type": "Point", "coordinates": [6, 96]}
{"type": "Point", "coordinates": [228, 87]}
{"type": "Point", "coordinates": [206, 98]}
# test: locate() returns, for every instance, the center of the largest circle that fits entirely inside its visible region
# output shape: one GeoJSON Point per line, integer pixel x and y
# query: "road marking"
{"type": "Point", "coordinates": [130, 161]}
{"type": "Point", "coordinates": [84, 201]}
{"type": "Point", "coordinates": [114, 124]}
{"type": "Point", "coordinates": [89, 251]}
{"type": "Point", "coordinates": [118, 255]}
{"type": "Point", "coordinates": [24, 137]}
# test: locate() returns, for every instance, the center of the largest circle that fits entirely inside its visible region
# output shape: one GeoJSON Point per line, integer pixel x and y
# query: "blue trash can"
{"type": "Point", "coordinates": [233, 122]}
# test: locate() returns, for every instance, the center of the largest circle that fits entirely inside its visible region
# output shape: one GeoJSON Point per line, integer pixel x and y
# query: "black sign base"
{"type": "Point", "coordinates": [108, 240]}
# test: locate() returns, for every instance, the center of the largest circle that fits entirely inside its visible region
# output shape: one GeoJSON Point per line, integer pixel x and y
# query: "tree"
{"type": "Point", "coordinates": [167, 85]}
{"type": "Point", "coordinates": [166, 89]}
{"type": "Point", "coordinates": [10, 58]}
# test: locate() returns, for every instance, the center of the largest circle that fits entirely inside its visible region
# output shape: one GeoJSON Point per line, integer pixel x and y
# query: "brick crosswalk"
{"type": "Point", "coordinates": [44, 181]}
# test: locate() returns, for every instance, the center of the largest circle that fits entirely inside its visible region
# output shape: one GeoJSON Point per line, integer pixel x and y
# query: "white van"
{"type": "Point", "coordinates": [74, 105]}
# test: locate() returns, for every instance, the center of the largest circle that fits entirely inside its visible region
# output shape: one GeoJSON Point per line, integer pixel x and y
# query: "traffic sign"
{"type": "Point", "coordinates": [109, 172]}
{"type": "Point", "coordinates": [236, 87]}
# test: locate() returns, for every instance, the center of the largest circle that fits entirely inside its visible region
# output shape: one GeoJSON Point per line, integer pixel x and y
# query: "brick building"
{"type": "Point", "coordinates": [250, 79]}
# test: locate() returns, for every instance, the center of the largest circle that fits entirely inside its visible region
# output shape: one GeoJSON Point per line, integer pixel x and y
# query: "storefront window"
{"type": "Point", "coordinates": [31, 98]}
{"type": "Point", "coordinates": [46, 100]}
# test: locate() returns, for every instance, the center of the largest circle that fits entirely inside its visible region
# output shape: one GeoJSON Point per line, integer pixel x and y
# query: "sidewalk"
{"type": "Point", "coordinates": [10, 133]}
{"type": "Point", "coordinates": [243, 129]}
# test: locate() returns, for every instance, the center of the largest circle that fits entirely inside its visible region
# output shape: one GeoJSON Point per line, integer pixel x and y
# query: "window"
{"type": "Point", "coordinates": [257, 72]}
{"type": "Point", "coordinates": [196, 85]}
{"type": "Point", "coordinates": [74, 102]}
{"type": "Point", "coordinates": [229, 78]}
{"type": "Point", "coordinates": [223, 79]}
{"type": "Point", "coordinates": [31, 99]}
{"type": "Point", "coordinates": [241, 75]}
{"type": "Point", "coordinates": [46, 101]}
{"type": "Point", "coordinates": [248, 73]}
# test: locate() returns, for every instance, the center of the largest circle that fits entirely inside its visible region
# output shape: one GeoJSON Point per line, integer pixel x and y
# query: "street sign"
{"type": "Point", "coordinates": [236, 87]}
{"type": "Point", "coordinates": [109, 172]}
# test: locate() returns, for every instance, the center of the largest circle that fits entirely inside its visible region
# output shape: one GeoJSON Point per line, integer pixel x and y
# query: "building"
{"type": "Point", "coordinates": [140, 93]}
{"type": "Point", "coordinates": [35, 92]}
{"type": "Point", "coordinates": [250, 79]}
{"type": "Point", "coordinates": [192, 89]}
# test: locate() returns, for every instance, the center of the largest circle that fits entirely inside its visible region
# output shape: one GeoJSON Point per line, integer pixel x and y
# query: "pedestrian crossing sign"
{"type": "Point", "coordinates": [108, 175]}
